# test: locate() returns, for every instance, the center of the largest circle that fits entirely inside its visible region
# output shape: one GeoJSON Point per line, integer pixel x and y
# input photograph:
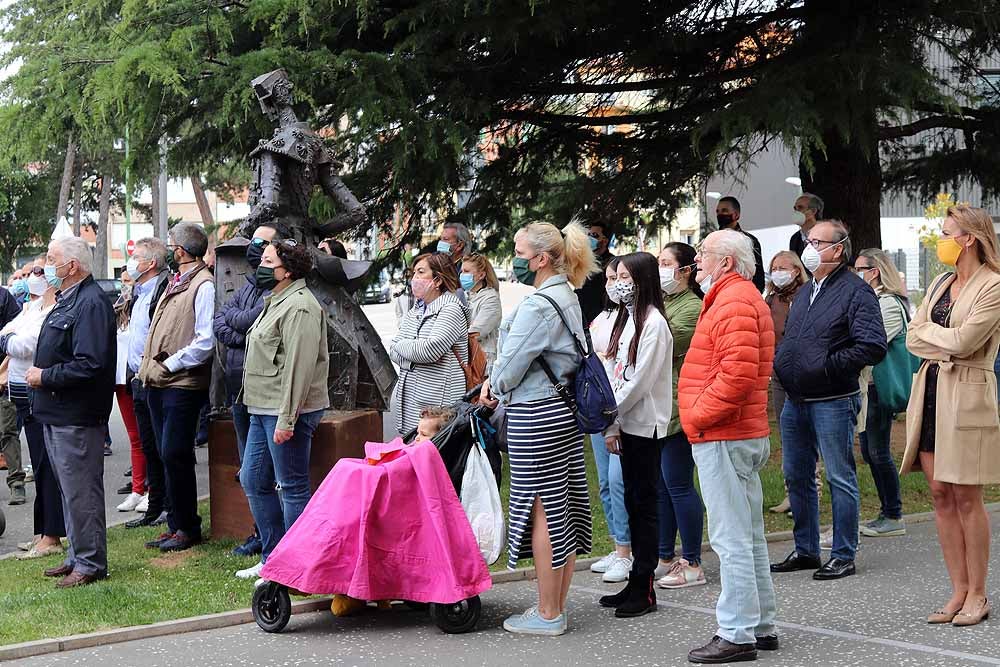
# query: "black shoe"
{"type": "Point", "coordinates": [128, 473]}
{"type": "Point", "coordinates": [641, 600]}
{"type": "Point", "coordinates": [17, 496]}
{"type": "Point", "coordinates": [795, 562]}
{"type": "Point", "coordinates": [125, 490]}
{"type": "Point", "coordinates": [155, 544]}
{"type": "Point", "coordinates": [160, 520]}
{"type": "Point", "coordinates": [616, 600]}
{"type": "Point", "coordinates": [719, 651]}
{"type": "Point", "coordinates": [835, 568]}
{"type": "Point", "coordinates": [107, 449]}
{"type": "Point", "coordinates": [767, 643]}
{"type": "Point", "coordinates": [143, 521]}
{"type": "Point", "coordinates": [179, 542]}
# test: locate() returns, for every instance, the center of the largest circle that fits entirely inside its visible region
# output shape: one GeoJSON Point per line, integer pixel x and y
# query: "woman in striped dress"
{"type": "Point", "coordinates": [549, 501]}
{"type": "Point", "coordinates": [432, 337]}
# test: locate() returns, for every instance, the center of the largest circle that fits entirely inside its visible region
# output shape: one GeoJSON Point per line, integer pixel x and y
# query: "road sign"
{"type": "Point", "coordinates": [130, 247]}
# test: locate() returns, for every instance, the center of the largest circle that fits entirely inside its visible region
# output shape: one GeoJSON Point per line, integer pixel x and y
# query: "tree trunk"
{"type": "Point", "coordinates": [154, 206]}
{"type": "Point", "coordinates": [848, 178]}
{"type": "Point", "coordinates": [67, 179]}
{"type": "Point", "coordinates": [77, 197]}
{"type": "Point", "coordinates": [207, 218]}
{"type": "Point", "coordinates": [104, 206]}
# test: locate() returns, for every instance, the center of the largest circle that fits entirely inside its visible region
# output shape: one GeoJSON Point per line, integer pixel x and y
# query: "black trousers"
{"type": "Point", "coordinates": [640, 460]}
{"type": "Point", "coordinates": [155, 479]}
{"type": "Point", "coordinates": [48, 509]}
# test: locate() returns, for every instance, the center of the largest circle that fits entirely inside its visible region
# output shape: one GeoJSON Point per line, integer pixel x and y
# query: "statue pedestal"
{"type": "Point", "coordinates": [340, 435]}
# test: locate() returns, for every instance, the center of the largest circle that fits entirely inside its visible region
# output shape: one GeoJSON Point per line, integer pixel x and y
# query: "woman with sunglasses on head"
{"type": "Point", "coordinates": [18, 340]}
{"type": "Point", "coordinates": [642, 346]}
{"type": "Point", "coordinates": [680, 508]}
{"type": "Point", "coordinates": [285, 391]}
{"type": "Point", "coordinates": [952, 427]}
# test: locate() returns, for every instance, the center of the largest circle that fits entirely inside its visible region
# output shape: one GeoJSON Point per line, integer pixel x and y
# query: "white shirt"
{"type": "Point", "coordinates": [817, 286]}
{"type": "Point", "coordinates": [21, 346]}
{"type": "Point", "coordinates": [200, 349]}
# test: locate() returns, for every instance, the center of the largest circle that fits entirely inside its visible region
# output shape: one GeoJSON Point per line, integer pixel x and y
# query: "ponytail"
{"type": "Point", "coordinates": [580, 262]}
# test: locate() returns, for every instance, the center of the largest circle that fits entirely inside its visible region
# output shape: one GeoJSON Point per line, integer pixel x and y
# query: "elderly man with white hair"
{"type": "Point", "coordinates": [73, 383]}
{"type": "Point", "coordinates": [722, 397]}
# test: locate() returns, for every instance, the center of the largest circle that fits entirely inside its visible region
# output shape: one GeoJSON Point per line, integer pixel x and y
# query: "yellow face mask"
{"type": "Point", "coordinates": [948, 251]}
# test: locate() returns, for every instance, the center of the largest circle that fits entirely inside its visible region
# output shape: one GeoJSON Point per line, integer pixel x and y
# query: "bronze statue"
{"type": "Point", "coordinates": [287, 168]}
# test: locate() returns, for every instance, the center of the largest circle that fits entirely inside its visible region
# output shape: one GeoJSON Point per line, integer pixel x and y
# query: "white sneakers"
{"type": "Point", "coordinates": [617, 571]}
{"type": "Point", "coordinates": [143, 507]}
{"type": "Point", "coordinates": [131, 502]}
{"type": "Point", "coordinates": [682, 575]}
{"type": "Point", "coordinates": [250, 572]}
{"type": "Point", "coordinates": [601, 566]}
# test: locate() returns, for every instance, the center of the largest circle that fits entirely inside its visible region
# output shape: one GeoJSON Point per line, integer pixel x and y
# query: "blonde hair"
{"type": "Point", "coordinates": [888, 274]}
{"type": "Point", "coordinates": [439, 415]}
{"type": "Point", "coordinates": [796, 262]}
{"type": "Point", "coordinates": [569, 250]}
{"type": "Point", "coordinates": [480, 263]}
{"type": "Point", "coordinates": [978, 223]}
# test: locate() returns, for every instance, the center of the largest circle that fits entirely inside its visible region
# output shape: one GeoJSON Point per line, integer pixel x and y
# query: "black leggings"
{"type": "Point", "coordinates": [48, 509]}
{"type": "Point", "coordinates": [640, 460]}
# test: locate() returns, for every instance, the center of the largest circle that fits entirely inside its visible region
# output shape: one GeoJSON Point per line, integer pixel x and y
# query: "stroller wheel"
{"type": "Point", "coordinates": [271, 607]}
{"type": "Point", "coordinates": [458, 617]}
{"type": "Point", "coordinates": [3, 522]}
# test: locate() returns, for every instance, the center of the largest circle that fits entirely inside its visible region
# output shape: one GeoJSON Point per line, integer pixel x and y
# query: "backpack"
{"type": "Point", "coordinates": [475, 370]}
{"type": "Point", "coordinates": [593, 403]}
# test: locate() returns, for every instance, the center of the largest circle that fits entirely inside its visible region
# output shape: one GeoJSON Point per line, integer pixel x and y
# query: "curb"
{"type": "Point", "coordinates": [242, 616]}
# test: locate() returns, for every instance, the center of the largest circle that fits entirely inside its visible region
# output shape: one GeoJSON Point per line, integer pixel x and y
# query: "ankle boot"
{"type": "Point", "coordinates": [619, 598]}
{"type": "Point", "coordinates": [641, 599]}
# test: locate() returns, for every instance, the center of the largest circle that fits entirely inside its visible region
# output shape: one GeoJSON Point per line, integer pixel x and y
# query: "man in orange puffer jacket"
{"type": "Point", "coordinates": [722, 396]}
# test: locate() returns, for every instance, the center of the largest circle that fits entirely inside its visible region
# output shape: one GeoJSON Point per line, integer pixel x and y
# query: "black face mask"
{"type": "Point", "coordinates": [172, 262]}
{"type": "Point", "coordinates": [254, 254]}
{"type": "Point", "coordinates": [725, 220]}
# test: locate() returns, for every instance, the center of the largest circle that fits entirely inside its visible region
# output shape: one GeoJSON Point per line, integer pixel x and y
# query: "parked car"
{"type": "Point", "coordinates": [379, 290]}
{"type": "Point", "coordinates": [112, 288]}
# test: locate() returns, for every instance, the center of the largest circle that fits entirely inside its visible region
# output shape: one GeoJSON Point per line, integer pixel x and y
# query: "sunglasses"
{"type": "Point", "coordinates": [37, 271]}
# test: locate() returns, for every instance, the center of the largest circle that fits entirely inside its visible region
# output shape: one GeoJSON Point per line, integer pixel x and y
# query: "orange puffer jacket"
{"type": "Point", "coordinates": [722, 391]}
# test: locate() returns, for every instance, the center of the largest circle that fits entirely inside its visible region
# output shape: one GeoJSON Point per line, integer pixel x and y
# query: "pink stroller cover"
{"type": "Point", "coordinates": [394, 530]}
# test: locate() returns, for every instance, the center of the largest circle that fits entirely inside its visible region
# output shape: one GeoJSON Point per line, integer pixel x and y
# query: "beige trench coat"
{"type": "Point", "coordinates": [967, 443]}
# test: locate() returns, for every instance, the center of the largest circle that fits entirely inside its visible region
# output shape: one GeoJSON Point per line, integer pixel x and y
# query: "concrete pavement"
{"type": "Point", "coordinates": [873, 618]}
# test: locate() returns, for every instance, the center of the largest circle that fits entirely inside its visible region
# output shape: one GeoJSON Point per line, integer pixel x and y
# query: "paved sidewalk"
{"type": "Point", "coordinates": [872, 619]}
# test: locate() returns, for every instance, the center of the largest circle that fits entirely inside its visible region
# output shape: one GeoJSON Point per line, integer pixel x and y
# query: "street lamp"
{"type": "Point", "coordinates": [122, 145]}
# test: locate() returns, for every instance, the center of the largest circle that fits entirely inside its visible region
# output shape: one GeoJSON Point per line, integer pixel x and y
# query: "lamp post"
{"type": "Point", "coordinates": [123, 145]}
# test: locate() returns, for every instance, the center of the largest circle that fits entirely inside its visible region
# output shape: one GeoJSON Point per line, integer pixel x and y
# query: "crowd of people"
{"type": "Point", "coordinates": [698, 344]}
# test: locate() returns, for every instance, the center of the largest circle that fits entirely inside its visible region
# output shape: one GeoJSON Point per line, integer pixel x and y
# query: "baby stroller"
{"type": "Point", "coordinates": [3, 522]}
{"type": "Point", "coordinates": [316, 560]}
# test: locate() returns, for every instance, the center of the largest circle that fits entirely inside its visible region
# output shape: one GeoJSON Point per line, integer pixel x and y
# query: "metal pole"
{"type": "Point", "coordinates": [128, 191]}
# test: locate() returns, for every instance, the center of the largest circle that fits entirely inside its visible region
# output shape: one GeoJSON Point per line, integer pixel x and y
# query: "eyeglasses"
{"type": "Point", "coordinates": [37, 271]}
{"type": "Point", "coordinates": [259, 241]}
{"type": "Point", "coordinates": [863, 268]}
{"type": "Point", "coordinates": [815, 242]}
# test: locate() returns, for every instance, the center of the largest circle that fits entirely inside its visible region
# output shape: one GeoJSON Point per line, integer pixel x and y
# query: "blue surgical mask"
{"type": "Point", "coordinates": [593, 243]}
{"type": "Point", "coordinates": [50, 275]}
{"type": "Point", "coordinates": [444, 247]}
{"type": "Point", "coordinates": [467, 280]}
{"type": "Point", "coordinates": [19, 287]}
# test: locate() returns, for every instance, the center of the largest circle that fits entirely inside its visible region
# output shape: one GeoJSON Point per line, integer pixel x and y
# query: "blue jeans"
{"type": "Point", "coordinates": [241, 424]}
{"type": "Point", "coordinates": [612, 490]}
{"type": "Point", "coordinates": [678, 502]}
{"type": "Point", "coordinates": [822, 428]}
{"type": "Point", "coordinates": [266, 464]}
{"type": "Point", "coordinates": [729, 472]}
{"type": "Point", "coordinates": [876, 453]}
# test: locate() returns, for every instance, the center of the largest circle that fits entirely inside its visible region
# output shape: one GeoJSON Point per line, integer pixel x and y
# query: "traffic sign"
{"type": "Point", "coordinates": [130, 247]}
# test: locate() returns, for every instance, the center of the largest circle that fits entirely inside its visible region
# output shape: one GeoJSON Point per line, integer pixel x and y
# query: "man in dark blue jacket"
{"type": "Point", "coordinates": [834, 330]}
{"type": "Point", "coordinates": [231, 324]}
{"type": "Point", "coordinates": [73, 379]}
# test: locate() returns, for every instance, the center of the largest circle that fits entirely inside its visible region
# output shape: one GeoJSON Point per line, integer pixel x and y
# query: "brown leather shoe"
{"type": "Point", "coordinates": [720, 651]}
{"type": "Point", "coordinates": [74, 579]}
{"type": "Point", "coordinates": [60, 571]}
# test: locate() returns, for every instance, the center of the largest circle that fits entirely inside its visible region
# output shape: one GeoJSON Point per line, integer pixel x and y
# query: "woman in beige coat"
{"type": "Point", "coordinates": [952, 427]}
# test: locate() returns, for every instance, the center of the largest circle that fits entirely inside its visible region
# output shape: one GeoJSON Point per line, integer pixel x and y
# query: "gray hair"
{"type": "Point", "coordinates": [840, 235]}
{"type": "Point", "coordinates": [462, 232]}
{"type": "Point", "coordinates": [813, 202]}
{"type": "Point", "coordinates": [730, 243]}
{"type": "Point", "coordinates": [75, 248]}
{"type": "Point", "coordinates": [155, 248]}
{"type": "Point", "coordinates": [190, 236]}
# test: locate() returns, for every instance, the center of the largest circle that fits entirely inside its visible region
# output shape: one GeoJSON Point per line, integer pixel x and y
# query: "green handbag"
{"type": "Point", "coordinates": [893, 375]}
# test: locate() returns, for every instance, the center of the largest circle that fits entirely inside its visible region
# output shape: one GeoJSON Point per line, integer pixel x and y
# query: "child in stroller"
{"type": "Point", "coordinates": [389, 527]}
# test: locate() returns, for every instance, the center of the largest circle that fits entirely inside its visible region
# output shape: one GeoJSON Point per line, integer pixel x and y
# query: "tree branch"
{"type": "Point", "coordinates": [924, 124]}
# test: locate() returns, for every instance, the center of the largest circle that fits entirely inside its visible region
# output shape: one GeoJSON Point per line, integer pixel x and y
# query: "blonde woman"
{"type": "Point", "coordinates": [479, 281]}
{"type": "Point", "coordinates": [549, 500]}
{"type": "Point", "coordinates": [875, 268]}
{"type": "Point", "coordinates": [952, 428]}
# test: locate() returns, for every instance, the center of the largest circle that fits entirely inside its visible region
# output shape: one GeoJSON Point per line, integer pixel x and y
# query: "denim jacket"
{"type": "Point", "coordinates": [534, 330]}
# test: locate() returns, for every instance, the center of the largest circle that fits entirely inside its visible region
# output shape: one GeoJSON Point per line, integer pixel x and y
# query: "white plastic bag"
{"type": "Point", "coordinates": [481, 502]}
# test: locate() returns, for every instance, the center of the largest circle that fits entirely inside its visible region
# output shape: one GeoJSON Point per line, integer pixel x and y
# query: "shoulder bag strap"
{"type": "Point", "coordinates": [576, 341]}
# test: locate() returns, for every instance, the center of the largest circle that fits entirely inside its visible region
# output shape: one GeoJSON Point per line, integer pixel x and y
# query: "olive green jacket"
{"type": "Point", "coordinates": [682, 311]}
{"type": "Point", "coordinates": [287, 359]}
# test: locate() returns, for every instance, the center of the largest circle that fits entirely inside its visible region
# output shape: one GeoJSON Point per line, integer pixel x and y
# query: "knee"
{"type": "Point", "coordinates": [943, 498]}
{"type": "Point", "coordinates": [967, 503]}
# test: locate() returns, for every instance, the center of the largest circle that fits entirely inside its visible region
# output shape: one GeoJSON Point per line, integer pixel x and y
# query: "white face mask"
{"type": "Point", "coordinates": [811, 258]}
{"type": "Point", "coordinates": [37, 285]}
{"type": "Point", "coordinates": [612, 293]}
{"type": "Point", "coordinates": [782, 279]}
{"type": "Point", "coordinates": [706, 284]}
{"type": "Point", "coordinates": [668, 279]}
{"type": "Point", "coordinates": [798, 218]}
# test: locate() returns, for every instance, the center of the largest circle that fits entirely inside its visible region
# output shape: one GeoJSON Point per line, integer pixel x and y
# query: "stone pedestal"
{"type": "Point", "coordinates": [340, 435]}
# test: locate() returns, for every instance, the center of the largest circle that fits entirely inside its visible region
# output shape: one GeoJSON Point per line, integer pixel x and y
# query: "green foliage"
{"type": "Point", "coordinates": [27, 204]}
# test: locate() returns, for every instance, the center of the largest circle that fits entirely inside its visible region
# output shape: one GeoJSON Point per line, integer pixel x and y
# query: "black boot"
{"type": "Point", "coordinates": [641, 599]}
{"type": "Point", "coordinates": [616, 600]}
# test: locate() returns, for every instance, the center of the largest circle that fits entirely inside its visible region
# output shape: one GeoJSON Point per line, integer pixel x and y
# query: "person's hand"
{"type": "Point", "coordinates": [34, 377]}
{"type": "Point", "coordinates": [485, 398]}
{"type": "Point", "coordinates": [282, 436]}
{"type": "Point", "coordinates": [613, 444]}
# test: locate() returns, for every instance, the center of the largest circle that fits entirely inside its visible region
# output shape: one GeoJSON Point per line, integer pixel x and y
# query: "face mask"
{"type": "Point", "coordinates": [265, 278]}
{"type": "Point", "coordinates": [37, 285]}
{"type": "Point", "coordinates": [444, 247]}
{"type": "Point", "coordinates": [419, 286]}
{"type": "Point", "coordinates": [593, 243]}
{"type": "Point", "coordinates": [706, 284]}
{"type": "Point", "coordinates": [811, 258]}
{"type": "Point", "coordinates": [782, 279]}
{"type": "Point", "coordinates": [524, 275]}
{"type": "Point", "coordinates": [725, 220]}
{"type": "Point", "coordinates": [132, 268]}
{"type": "Point", "coordinates": [668, 280]}
{"type": "Point", "coordinates": [612, 293]}
{"type": "Point", "coordinates": [172, 263]}
{"type": "Point", "coordinates": [19, 287]}
{"type": "Point", "coordinates": [948, 251]}
{"type": "Point", "coordinates": [798, 218]}
{"type": "Point", "coordinates": [51, 277]}
{"type": "Point", "coordinates": [467, 280]}
{"type": "Point", "coordinates": [626, 292]}
{"type": "Point", "coordinates": [255, 251]}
